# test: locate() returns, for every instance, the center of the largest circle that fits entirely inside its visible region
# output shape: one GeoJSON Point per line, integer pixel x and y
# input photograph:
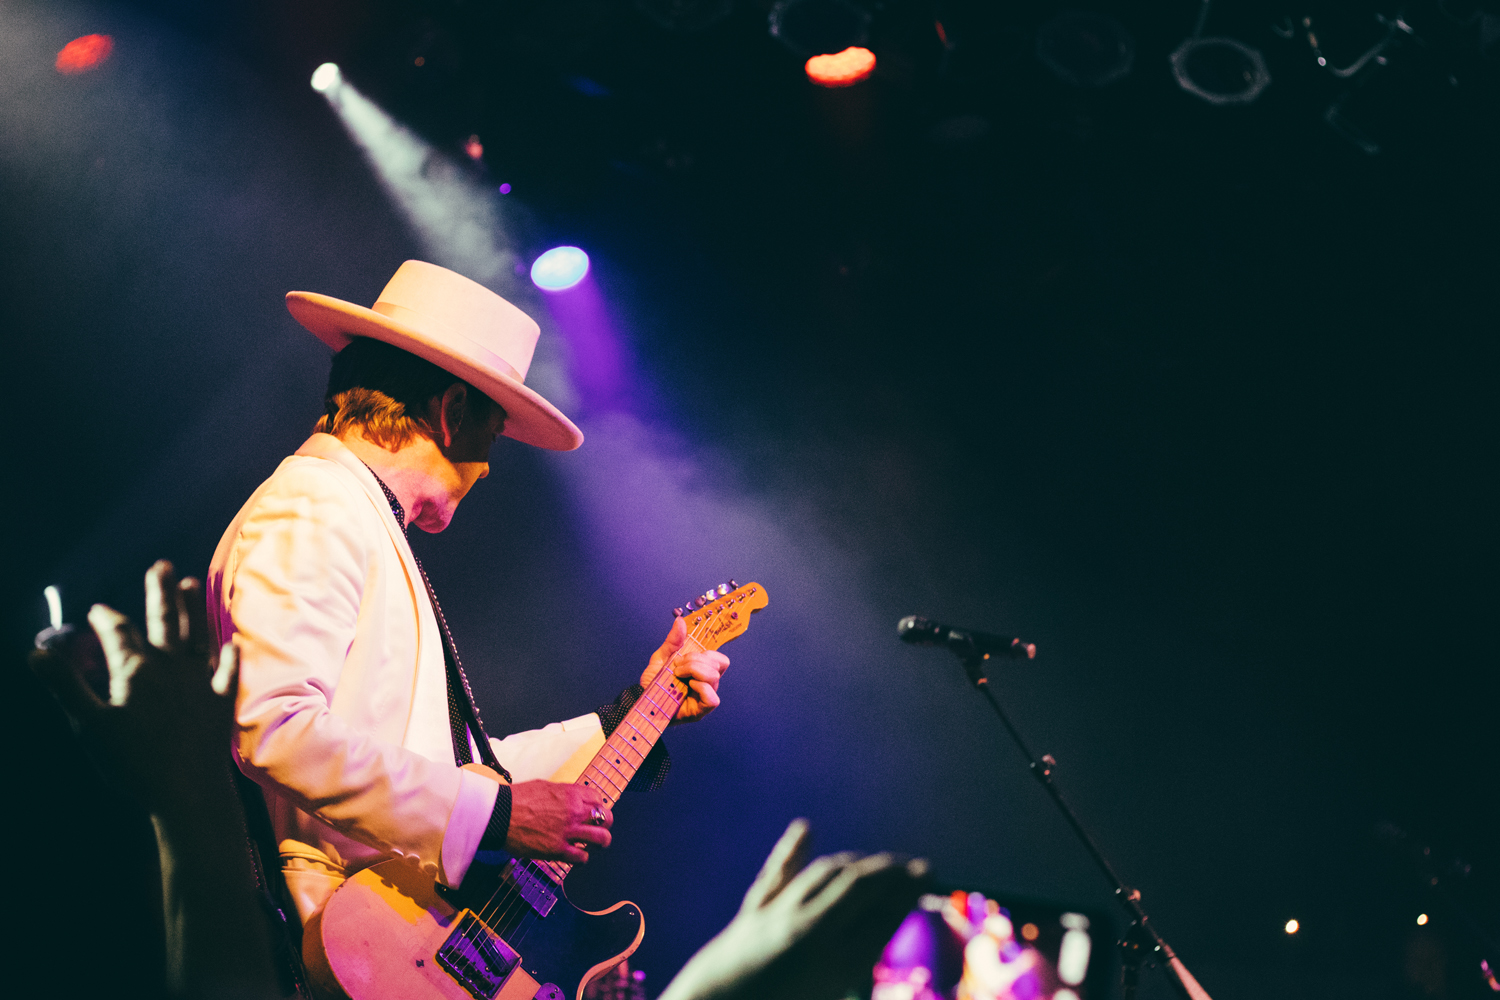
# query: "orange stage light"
{"type": "Point", "coordinates": [83, 54]}
{"type": "Point", "coordinates": [841, 69]}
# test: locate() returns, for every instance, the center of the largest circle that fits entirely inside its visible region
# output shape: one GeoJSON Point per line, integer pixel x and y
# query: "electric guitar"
{"type": "Point", "coordinates": [510, 932]}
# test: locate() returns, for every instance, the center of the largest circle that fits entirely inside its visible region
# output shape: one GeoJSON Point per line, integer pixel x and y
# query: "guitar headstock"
{"type": "Point", "coordinates": [722, 613]}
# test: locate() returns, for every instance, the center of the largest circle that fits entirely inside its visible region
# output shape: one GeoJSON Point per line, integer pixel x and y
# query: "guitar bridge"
{"type": "Point", "coordinates": [479, 961]}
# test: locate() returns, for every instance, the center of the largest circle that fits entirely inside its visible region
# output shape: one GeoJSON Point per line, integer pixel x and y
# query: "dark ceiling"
{"type": "Point", "coordinates": [1199, 398]}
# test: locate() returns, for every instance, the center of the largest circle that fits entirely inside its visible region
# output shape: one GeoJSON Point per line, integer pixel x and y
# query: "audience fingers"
{"type": "Point", "coordinates": [66, 684]}
{"type": "Point", "coordinates": [122, 646]}
{"type": "Point", "coordinates": [864, 882]}
{"type": "Point", "coordinates": [228, 673]}
{"type": "Point", "coordinates": [818, 873]}
{"type": "Point", "coordinates": [786, 859]}
{"type": "Point", "coordinates": [195, 631]}
{"type": "Point", "coordinates": [163, 606]}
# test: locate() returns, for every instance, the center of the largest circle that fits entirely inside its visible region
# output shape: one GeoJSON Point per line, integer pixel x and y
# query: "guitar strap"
{"type": "Point", "coordinates": [271, 890]}
{"type": "Point", "coordinates": [463, 715]}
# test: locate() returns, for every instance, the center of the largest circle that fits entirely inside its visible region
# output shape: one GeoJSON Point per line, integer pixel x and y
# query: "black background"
{"type": "Point", "coordinates": [1200, 399]}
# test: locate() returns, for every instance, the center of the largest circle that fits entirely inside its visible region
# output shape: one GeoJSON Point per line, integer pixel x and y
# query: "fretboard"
{"type": "Point", "coordinates": [626, 748]}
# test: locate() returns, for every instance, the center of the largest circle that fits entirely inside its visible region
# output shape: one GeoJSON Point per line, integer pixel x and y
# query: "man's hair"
{"type": "Point", "coordinates": [384, 391]}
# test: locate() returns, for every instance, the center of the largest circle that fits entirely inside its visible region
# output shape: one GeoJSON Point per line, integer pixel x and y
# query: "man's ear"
{"type": "Point", "coordinates": [454, 405]}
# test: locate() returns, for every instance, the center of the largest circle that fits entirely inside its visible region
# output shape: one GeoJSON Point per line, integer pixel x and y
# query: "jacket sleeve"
{"type": "Point", "coordinates": [303, 561]}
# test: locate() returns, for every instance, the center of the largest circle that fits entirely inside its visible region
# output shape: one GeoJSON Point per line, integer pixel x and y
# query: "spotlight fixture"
{"type": "Point", "coordinates": [841, 69]}
{"type": "Point", "coordinates": [1220, 70]}
{"type": "Point", "coordinates": [819, 27]}
{"type": "Point", "coordinates": [559, 269]}
{"type": "Point", "coordinates": [83, 54]}
{"type": "Point", "coordinates": [326, 77]}
{"type": "Point", "coordinates": [1084, 49]}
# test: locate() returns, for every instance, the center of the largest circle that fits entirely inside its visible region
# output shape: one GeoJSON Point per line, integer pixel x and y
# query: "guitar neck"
{"type": "Point", "coordinates": [618, 761]}
{"type": "Point", "coordinates": [710, 625]}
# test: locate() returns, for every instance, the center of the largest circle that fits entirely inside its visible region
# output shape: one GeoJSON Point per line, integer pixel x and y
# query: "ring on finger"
{"type": "Point", "coordinates": [596, 816]}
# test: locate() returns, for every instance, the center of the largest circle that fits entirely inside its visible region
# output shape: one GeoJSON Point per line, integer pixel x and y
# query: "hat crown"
{"type": "Point", "coordinates": [453, 307]}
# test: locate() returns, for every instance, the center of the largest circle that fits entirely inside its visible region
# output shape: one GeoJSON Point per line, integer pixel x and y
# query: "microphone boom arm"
{"type": "Point", "coordinates": [971, 648]}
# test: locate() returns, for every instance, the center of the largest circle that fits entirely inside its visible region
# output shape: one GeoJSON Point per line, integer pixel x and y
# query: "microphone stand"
{"type": "Point", "coordinates": [1141, 938]}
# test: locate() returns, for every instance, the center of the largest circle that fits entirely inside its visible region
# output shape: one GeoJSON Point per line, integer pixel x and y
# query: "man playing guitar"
{"type": "Point", "coordinates": [353, 713]}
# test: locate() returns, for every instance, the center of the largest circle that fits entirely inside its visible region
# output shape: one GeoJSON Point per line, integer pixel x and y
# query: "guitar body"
{"type": "Point", "coordinates": [381, 934]}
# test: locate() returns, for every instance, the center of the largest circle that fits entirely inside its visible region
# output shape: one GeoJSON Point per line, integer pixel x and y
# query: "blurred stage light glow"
{"type": "Point", "coordinates": [1421, 920]}
{"type": "Point", "coordinates": [1292, 926]}
{"type": "Point", "coordinates": [841, 69]}
{"type": "Point", "coordinates": [326, 77]}
{"type": "Point", "coordinates": [83, 54]}
{"type": "Point", "coordinates": [560, 269]}
{"type": "Point", "coordinates": [453, 214]}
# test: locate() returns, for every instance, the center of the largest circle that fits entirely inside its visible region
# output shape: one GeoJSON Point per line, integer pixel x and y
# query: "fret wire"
{"type": "Point", "coordinates": [617, 771]}
{"type": "Point", "coordinates": [672, 700]}
{"type": "Point", "coordinates": [646, 696]}
{"type": "Point", "coordinates": [622, 749]}
{"type": "Point", "coordinates": [630, 753]}
{"type": "Point", "coordinates": [600, 774]}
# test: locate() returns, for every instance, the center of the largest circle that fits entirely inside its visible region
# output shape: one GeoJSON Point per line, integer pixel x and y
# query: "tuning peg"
{"type": "Point", "coordinates": [699, 601]}
{"type": "Point", "coordinates": [733, 585]}
{"type": "Point", "coordinates": [676, 612]}
{"type": "Point", "coordinates": [708, 595]}
{"type": "Point", "coordinates": [723, 589]}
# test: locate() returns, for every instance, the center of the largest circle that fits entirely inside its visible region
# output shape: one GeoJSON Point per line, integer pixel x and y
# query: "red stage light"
{"type": "Point", "coordinates": [841, 69]}
{"type": "Point", "coordinates": [83, 54]}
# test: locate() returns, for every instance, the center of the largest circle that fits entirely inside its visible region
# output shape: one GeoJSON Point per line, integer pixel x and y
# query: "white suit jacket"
{"type": "Point", "coordinates": [342, 713]}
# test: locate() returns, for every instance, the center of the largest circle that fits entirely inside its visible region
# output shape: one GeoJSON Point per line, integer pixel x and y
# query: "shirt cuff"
{"type": "Point", "coordinates": [498, 830]}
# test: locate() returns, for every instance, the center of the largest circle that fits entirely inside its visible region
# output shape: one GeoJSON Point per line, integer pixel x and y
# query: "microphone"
{"type": "Point", "coordinates": [965, 642]}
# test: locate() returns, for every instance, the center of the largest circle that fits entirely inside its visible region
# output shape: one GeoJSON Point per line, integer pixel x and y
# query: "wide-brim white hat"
{"type": "Point", "coordinates": [460, 326]}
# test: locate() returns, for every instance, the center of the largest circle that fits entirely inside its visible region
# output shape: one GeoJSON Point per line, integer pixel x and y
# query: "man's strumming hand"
{"type": "Point", "coordinates": [555, 822]}
{"type": "Point", "coordinates": [699, 670]}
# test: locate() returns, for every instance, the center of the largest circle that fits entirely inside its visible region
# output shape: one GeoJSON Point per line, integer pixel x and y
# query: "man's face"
{"type": "Point", "coordinates": [466, 452]}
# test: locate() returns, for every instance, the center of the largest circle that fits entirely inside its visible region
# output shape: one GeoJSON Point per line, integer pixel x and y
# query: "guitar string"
{"type": "Point", "coordinates": [513, 910]}
{"type": "Point", "coordinates": [508, 923]}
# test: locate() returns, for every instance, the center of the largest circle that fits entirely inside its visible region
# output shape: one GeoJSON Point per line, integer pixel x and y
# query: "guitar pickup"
{"type": "Point", "coordinates": [476, 958]}
{"type": "Point", "coordinates": [535, 888]}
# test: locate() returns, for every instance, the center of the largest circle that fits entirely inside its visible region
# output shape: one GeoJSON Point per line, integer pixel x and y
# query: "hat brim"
{"type": "Point", "coordinates": [529, 418]}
